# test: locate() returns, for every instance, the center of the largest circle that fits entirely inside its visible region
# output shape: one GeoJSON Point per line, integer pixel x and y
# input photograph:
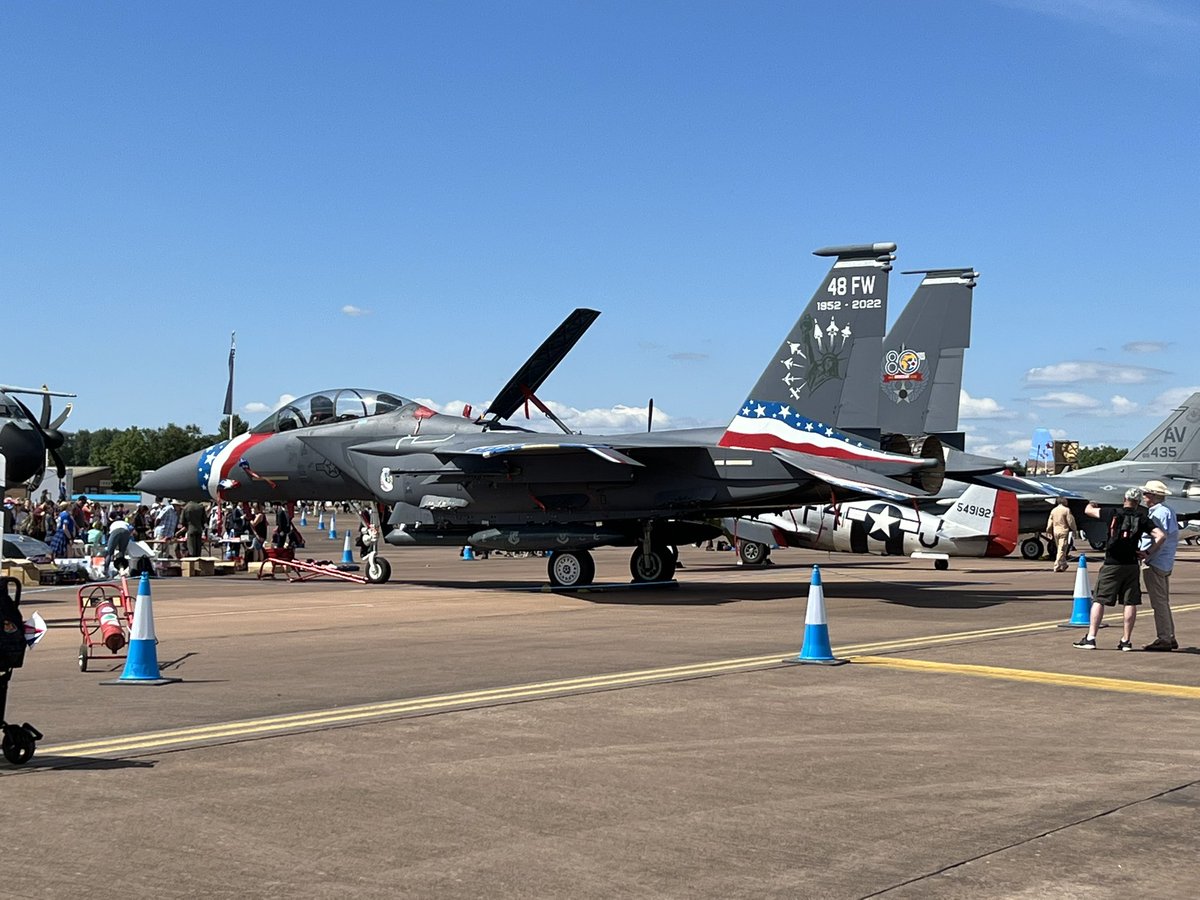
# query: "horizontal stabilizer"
{"type": "Point", "coordinates": [849, 477]}
{"type": "Point", "coordinates": [1028, 487]}
{"type": "Point", "coordinates": [959, 464]}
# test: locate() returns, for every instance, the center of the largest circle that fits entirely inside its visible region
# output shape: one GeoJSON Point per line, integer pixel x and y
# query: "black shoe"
{"type": "Point", "coordinates": [1124, 645]}
{"type": "Point", "coordinates": [1085, 643]}
{"type": "Point", "coordinates": [1161, 646]}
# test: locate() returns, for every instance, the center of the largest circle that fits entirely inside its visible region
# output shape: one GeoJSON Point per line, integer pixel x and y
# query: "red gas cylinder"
{"type": "Point", "coordinates": [111, 633]}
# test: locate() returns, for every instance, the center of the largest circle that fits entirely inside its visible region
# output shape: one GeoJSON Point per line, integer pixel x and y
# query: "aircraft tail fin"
{"type": "Point", "coordinates": [921, 379]}
{"type": "Point", "coordinates": [1041, 453]}
{"type": "Point", "coordinates": [1176, 440]}
{"type": "Point", "coordinates": [987, 511]}
{"type": "Point", "coordinates": [822, 380]}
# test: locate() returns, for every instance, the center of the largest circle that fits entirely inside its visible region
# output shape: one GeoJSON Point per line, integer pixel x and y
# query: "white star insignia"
{"type": "Point", "coordinates": [828, 432]}
{"type": "Point", "coordinates": [808, 426]}
{"type": "Point", "coordinates": [745, 410]}
{"type": "Point", "coordinates": [209, 458]}
{"type": "Point", "coordinates": [882, 521]}
{"type": "Point", "coordinates": [784, 412]}
{"type": "Point", "coordinates": [760, 410]}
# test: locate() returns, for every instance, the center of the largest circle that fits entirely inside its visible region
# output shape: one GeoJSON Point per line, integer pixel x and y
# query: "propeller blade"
{"type": "Point", "coordinates": [650, 415]}
{"type": "Point", "coordinates": [62, 417]}
{"type": "Point", "coordinates": [44, 421]}
{"type": "Point", "coordinates": [59, 465]}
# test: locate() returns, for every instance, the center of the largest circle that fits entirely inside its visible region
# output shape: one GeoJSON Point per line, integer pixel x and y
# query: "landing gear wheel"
{"type": "Point", "coordinates": [941, 564]}
{"type": "Point", "coordinates": [571, 568]}
{"type": "Point", "coordinates": [657, 565]}
{"type": "Point", "coordinates": [1099, 545]}
{"type": "Point", "coordinates": [379, 570]}
{"type": "Point", "coordinates": [1031, 548]}
{"type": "Point", "coordinates": [752, 553]}
{"type": "Point", "coordinates": [18, 745]}
{"type": "Point", "coordinates": [83, 657]}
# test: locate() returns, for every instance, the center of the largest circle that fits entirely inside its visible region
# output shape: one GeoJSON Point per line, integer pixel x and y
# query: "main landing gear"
{"type": "Point", "coordinates": [576, 568]}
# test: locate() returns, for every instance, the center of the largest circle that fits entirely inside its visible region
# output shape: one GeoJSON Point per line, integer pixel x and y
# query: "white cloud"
{"type": "Point", "coordinates": [1065, 400]}
{"type": "Point", "coordinates": [257, 407]}
{"type": "Point", "coordinates": [1145, 346]}
{"type": "Point", "coordinates": [981, 408]}
{"type": "Point", "coordinates": [1117, 16]}
{"type": "Point", "coordinates": [618, 419]}
{"type": "Point", "coordinates": [1076, 372]}
{"type": "Point", "coordinates": [1170, 400]}
{"type": "Point", "coordinates": [354, 311]}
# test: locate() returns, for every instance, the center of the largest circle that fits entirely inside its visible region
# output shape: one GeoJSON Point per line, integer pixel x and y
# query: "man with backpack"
{"type": "Point", "coordinates": [1119, 578]}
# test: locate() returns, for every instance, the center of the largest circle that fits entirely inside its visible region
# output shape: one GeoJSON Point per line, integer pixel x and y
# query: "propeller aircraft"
{"type": "Point", "coordinates": [26, 439]}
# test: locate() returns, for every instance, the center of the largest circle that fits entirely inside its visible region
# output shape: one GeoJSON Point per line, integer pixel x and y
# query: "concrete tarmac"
{"type": "Point", "coordinates": [464, 732]}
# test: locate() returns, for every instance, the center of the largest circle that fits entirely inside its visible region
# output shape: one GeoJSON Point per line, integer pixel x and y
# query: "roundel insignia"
{"type": "Point", "coordinates": [908, 362]}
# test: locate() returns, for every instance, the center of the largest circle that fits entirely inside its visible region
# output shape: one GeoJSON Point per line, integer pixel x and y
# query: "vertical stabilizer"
{"type": "Point", "coordinates": [1176, 440]}
{"type": "Point", "coordinates": [823, 376]}
{"type": "Point", "coordinates": [921, 378]}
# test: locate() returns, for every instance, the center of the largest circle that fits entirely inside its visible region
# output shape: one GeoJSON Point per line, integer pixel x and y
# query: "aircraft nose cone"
{"type": "Point", "coordinates": [177, 479]}
{"type": "Point", "coordinates": [23, 451]}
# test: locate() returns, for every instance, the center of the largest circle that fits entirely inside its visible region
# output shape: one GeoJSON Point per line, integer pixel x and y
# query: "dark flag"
{"type": "Point", "coordinates": [228, 411]}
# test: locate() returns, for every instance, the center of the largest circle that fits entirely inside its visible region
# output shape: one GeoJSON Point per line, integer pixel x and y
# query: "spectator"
{"type": "Point", "coordinates": [64, 531]}
{"type": "Point", "coordinates": [166, 524]}
{"type": "Point", "coordinates": [195, 518]}
{"type": "Point", "coordinates": [1158, 558]}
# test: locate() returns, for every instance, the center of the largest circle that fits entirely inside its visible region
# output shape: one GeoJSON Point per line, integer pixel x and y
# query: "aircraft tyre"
{"type": "Point", "coordinates": [1099, 545]}
{"type": "Point", "coordinates": [657, 565]}
{"type": "Point", "coordinates": [752, 553]}
{"type": "Point", "coordinates": [1031, 548]}
{"type": "Point", "coordinates": [941, 564]}
{"type": "Point", "coordinates": [379, 570]}
{"type": "Point", "coordinates": [571, 568]}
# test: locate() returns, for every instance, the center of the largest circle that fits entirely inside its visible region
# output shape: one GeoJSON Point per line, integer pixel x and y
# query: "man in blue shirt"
{"type": "Point", "coordinates": [1158, 559]}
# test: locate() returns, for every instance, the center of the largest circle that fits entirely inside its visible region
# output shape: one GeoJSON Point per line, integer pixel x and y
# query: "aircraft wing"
{"type": "Point", "coordinates": [544, 360]}
{"type": "Point", "coordinates": [603, 451]}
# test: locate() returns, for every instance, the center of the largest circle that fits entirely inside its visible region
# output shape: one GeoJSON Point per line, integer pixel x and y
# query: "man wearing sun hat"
{"type": "Point", "coordinates": [1158, 559]}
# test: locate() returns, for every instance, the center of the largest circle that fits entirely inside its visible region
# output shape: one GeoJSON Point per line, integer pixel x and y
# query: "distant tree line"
{"type": "Point", "coordinates": [130, 451]}
{"type": "Point", "coordinates": [1094, 456]}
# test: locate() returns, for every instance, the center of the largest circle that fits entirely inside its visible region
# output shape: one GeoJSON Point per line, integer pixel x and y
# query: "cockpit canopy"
{"type": "Point", "coordinates": [325, 407]}
{"type": "Point", "coordinates": [9, 408]}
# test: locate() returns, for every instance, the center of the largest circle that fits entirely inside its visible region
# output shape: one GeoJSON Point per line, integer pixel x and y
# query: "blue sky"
{"type": "Point", "coordinates": [409, 196]}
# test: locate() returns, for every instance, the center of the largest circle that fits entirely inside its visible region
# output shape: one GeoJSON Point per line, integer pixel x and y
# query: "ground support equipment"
{"type": "Point", "coordinates": [91, 596]}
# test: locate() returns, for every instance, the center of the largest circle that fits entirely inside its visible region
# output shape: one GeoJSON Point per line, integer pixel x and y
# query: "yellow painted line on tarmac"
{"type": "Point", "coordinates": [1121, 685]}
{"type": "Point", "coordinates": [344, 715]}
{"type": "Point", "coordinates": [258, 727]}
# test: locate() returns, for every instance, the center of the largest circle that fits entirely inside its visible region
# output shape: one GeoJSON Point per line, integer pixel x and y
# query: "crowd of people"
{"type": "Point", "coordinates": [81, 527]}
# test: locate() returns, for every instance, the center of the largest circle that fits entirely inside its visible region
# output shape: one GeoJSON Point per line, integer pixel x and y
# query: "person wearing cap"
{"type": "Point", "coordinates": [166, 523]}
{"type": "Point", "coordinates": [1158, 559]}
{"type": "Point", "coordinates": [1118, 579]}
{"type": "Point", "coordinates": [1060, 526]}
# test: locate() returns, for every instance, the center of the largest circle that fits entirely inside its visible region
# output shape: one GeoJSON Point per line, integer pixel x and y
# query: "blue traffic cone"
{"type": "Point", "coordinates": [815, 649]}
{"type": "Point", "coordinates": [141, 663]}
{"type": "Point", "coordinates": [347, 555]}
{"type": "Point", "coordinates": [321, 520]}
{"type": "Point", "coordinates": [332, 527]}
{"type": "Point", "coordinates": [468, 554]}
{"type": "Point", "coordinates": [303, 517]}
{"type": "Point", "coordinates": [1082, 610]}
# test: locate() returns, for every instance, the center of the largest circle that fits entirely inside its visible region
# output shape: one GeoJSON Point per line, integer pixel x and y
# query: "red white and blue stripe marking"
{"type": "Point", "coordinates": [765, 425]}
{"type": "Point", "coordinates": [219, 460]}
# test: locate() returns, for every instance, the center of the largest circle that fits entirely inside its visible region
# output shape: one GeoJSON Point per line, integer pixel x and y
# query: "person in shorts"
{"type": "Point", "coordinates": [1120, 578]}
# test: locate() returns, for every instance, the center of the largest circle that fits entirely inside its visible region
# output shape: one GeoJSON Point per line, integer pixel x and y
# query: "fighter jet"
{"type": "Point", "coordinates": [26, 439]}
{"type": "Point", "coordinates": [272, 462]}
{"type": "Point", "coordinates": [1169, 453]}
{"type": "Point", "coordinates": [450, 482]}
{"type": "Point", "coordinates": [981, 522]}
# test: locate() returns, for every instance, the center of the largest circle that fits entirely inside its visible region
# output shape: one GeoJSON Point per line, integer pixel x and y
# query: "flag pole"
{"type": "Point", "coordinates": [229, 389]}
